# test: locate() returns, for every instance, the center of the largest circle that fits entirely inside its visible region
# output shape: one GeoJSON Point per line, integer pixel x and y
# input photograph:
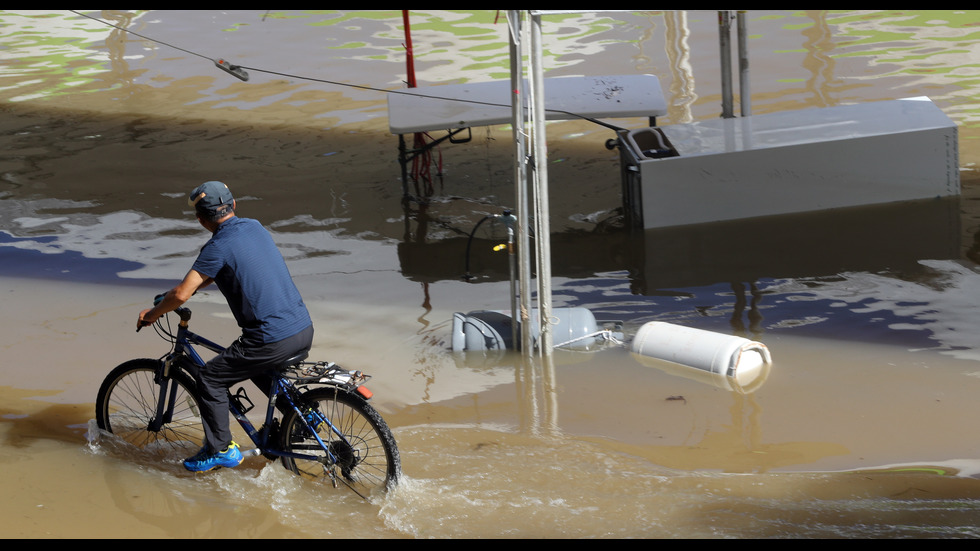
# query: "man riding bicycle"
{"type": "Point", "coordinates": [244, 262]}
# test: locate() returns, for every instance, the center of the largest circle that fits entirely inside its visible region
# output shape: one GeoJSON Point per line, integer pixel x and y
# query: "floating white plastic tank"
{"type": "Point", "coordinates": [728, 361]}
{"type": "Point", "coordinates": [573, 328]}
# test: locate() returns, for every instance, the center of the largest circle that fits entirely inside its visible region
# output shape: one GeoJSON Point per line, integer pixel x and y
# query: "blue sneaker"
{"type": "Point", "coordinates": [205, 460]}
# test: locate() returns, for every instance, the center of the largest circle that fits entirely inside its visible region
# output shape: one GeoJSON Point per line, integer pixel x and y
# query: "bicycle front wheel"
{"type": "Point", "coordinates": [365, 451]}
{"type": "Point", "coordinates": [127, 405]}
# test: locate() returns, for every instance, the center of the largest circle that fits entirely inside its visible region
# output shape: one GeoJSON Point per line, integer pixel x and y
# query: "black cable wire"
{"type": "Point", "coordinates": [335, 83]}
{"type": "Point", "coordinates": [139, 35]}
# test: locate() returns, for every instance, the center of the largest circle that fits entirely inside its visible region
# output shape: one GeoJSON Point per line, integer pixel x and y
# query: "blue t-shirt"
{"type": "Point", "coordinates": [250, 272]}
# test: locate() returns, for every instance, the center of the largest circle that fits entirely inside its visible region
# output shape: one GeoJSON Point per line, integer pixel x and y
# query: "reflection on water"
{"type": "Point", "coordinates": [869, 313]}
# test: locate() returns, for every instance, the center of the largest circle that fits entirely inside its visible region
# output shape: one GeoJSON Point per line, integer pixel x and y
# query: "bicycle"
{"type": "Point", "coordinates": [327, 427]}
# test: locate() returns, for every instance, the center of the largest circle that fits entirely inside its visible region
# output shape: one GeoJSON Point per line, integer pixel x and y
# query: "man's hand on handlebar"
{"type": "Point", "coordinates": [140, 322]}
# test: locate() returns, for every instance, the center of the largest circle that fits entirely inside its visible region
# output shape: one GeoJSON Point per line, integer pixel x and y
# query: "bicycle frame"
{"type": "Point", "coordinates": [184, 353]}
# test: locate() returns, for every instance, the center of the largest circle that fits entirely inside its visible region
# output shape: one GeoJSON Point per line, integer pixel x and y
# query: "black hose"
{"type": "Point", "coordinates": [469, 243]}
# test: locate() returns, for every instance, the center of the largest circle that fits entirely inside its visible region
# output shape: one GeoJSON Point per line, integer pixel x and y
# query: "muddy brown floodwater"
{"type": "Point", "coordinates": [864, 427]}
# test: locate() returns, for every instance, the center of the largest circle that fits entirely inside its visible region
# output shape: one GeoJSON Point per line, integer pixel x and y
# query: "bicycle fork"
{"type": "Point", "coordinates": [165, 399]}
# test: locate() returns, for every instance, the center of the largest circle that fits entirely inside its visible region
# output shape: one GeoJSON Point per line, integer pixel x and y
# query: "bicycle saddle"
{"type": "Point", "coordinates": [294, 360]}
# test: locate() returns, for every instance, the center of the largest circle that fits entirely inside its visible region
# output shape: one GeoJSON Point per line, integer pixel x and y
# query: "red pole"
{"type": "Point", "coordinates": [410, 59]}
{"type": "Point", "coordinates": [421, 163]}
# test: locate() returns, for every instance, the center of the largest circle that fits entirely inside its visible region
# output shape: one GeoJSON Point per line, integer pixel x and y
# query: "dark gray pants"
{"type": "Point", "coordinates": [240, 361]}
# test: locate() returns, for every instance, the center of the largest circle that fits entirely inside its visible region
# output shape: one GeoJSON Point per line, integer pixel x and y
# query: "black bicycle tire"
{"type": "Point", "coordinates": [130, 389]}
{"type": "Point", "coordinates": [367, 471]}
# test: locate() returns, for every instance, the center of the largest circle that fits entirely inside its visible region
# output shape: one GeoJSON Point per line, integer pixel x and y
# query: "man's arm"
{"type": "Point", "coordinates": [191, 283]}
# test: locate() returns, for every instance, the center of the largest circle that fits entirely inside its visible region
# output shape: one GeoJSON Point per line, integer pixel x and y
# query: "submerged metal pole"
{"type": "Point", "coordinates": [725, 43]}
{"type": "Point", "coordinates": [542, 213]}
{"type": "Point", "coordinates": [522, 316]}
{"type": "Point", "coordinates": [744, 94]}
{"type": "Point", "coordinates": [510, 220]}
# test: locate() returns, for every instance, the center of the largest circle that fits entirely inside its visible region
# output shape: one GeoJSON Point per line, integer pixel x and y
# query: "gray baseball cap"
{"type": "Point", "coordinates": [209, 197]}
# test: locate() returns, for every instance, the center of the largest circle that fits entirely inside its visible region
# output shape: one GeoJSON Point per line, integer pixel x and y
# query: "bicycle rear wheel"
{"type": "Point", "coordinates": [127, 403]}
{"type": "Point", "coordinates": [367, 456]}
